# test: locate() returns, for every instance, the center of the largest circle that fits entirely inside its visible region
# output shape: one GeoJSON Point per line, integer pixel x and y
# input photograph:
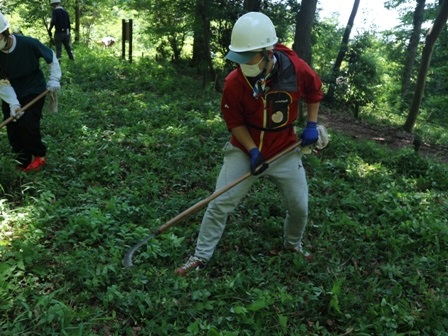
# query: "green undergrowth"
{"type": "Point", "coordinates": [132, 146]}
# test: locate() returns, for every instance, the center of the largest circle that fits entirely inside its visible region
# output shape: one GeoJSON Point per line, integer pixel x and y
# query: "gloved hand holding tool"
{"type": "Point", "coordinates": [257, 160]}
{"type": "Point", "coordinates": [8, 94]}
{"type": "Point", "coordinates": [310, 134]}
{"type": "Point", "coordinates": [15, 112]}
{"type": "Point", "coordinates": [23, 109]}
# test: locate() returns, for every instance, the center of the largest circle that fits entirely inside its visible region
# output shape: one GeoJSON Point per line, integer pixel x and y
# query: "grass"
{"type": "Point", "coordinates": [132, 146]}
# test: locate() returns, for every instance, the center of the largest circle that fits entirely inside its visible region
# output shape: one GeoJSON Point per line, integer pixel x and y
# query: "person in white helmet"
{"type": "Point", "coordinates": [60, 20]}
{"type": "Point", "coordinates": [259, 105]}
{"type": "Point", "coordinates": [20, 66]}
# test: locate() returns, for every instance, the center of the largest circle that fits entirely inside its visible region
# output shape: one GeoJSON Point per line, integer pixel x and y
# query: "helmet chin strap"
{"type": "Point", "coordinates": [7, 38]}
{"type": "Point", "coordinates": [259, 88]}
{"type": "Point", "coordinates": [266, 57]}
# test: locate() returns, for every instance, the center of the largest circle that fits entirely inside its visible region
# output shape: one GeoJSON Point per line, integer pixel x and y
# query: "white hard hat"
{"type": "Point", "coordinates": [4, 24]}
{"type": "Point", "coordinates": [54, 1]}
{"type": "Point", "coordinates": [252, 32]}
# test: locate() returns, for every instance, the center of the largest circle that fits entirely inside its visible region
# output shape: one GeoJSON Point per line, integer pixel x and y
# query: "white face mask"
{"type": "Point", "coordinates": [251, 70]}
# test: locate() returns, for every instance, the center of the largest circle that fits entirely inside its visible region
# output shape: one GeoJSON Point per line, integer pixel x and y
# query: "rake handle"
{"type": "Point", "coordinates": [9, 119]}
{"type": "Point", "coordinates": [198, 206]}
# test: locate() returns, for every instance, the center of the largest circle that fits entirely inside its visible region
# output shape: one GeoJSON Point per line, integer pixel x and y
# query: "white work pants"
{"type": "Point", "coordinates": [288, 175]}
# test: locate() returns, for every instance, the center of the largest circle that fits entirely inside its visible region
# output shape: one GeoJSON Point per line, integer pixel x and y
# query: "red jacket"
{"type": "Point", "coordinates": [270, 118]}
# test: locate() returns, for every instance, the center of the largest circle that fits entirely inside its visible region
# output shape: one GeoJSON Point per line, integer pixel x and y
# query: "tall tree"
{"type": "Point", "coordinates": [33, 13]}
{"type": "Point", "coordinates": [304, 25]}
{"type": "Point", "coordinates": [169, 24]}
{"type": "Point", "coordinates": [342, 50]}
{"type": "Point", "coordinates": [411, 50]}
{"type": "Point", "coordinates": [431, 38]}
{"type": "Point", "coordinates": [77, 21]}
{"type": "Point", "coordinates": [201, 43]}
{"type": "Point", "coordinates": [302, 37]}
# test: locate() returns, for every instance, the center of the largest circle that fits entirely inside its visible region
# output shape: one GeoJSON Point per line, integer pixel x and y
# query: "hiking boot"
{"type": "Point", "coordinates": [193, 263]}
{"type": "Point", "coordinates": [299, 249]}
{"type": "Point", "coordinates": [36, 164]}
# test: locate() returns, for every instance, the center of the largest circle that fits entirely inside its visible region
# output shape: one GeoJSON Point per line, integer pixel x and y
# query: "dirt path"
{"type": "Point", "coordinates": [386, 135]}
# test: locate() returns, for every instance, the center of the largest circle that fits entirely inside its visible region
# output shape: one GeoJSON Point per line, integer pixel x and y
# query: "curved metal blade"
{"type": "Point", "coordinates": [127, 259]}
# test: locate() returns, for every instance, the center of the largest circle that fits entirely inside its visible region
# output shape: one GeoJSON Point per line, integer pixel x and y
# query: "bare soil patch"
{"type": "Point", "coordinates": [393, 137]}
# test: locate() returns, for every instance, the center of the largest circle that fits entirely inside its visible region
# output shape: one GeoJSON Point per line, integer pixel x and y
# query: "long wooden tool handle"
{"type": "Point", "coordinates": [127, 260]}
{"type": "Point", "coordinates": [217, 193]}
{"type": "Point", "coordinates": [8, 120]}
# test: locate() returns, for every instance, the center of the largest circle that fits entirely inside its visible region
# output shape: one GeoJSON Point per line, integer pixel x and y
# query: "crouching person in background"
{"type": "Point", "coordinates": [107, 41]}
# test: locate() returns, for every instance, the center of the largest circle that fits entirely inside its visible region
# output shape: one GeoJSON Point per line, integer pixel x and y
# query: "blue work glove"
{"type": "Point", "coordinates": [309, 134]}
{"type": "Point", "coordinates": [256, 160]}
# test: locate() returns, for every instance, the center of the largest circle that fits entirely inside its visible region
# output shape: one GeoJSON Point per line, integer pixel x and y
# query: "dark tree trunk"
{"type": "Point", "coordinates": [302, 38]}
{"type": "Point", "coordinates": [411, 51]}
{"type": "Point", "coordinates": [201, 46]}
{"type": "Point", "coordinates": [304, 25]}
{"type": "Point", "coordinates": [342, 50]}
{"type": "Point", "coordinates": [431, 38]}
{"type": "Point", "coordinates": [356, 113]}
{"type": "Point", "coordinates": [77, 21]}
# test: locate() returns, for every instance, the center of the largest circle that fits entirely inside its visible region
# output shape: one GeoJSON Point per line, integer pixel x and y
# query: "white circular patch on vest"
{"type": "Point", "coordinates": [277, 117]}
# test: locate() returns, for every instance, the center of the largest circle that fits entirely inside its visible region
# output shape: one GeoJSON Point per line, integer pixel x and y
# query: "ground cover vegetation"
{"type": "Point", "coordinates": [135, 144]}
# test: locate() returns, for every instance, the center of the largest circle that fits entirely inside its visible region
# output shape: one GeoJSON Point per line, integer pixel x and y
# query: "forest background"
{"type": "Point", "coordinates": [378, 222]}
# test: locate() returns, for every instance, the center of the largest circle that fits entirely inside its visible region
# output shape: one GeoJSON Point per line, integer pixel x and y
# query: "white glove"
{"type": "Point", "coordinates": [14, 112]}
{"type": "Point", "coordinates": [53, 85]}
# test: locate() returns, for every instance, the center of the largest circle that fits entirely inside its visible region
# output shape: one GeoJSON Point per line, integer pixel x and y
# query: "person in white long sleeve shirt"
{"type": "Point", "coordinates": [20, 67]}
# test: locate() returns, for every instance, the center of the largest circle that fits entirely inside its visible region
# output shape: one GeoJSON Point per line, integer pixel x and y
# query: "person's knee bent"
{"type": "Point", "coordinates": [221, 206]}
